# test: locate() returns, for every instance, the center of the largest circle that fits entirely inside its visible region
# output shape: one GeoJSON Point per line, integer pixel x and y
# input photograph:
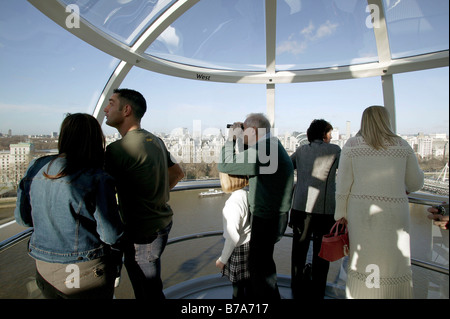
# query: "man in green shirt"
{"type": "Point", "coordinates": [271, 179]}
{"type": "Point", "coordinates": [144, 173]}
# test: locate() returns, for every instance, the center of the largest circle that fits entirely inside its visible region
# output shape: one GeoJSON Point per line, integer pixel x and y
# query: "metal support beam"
{"type": "Point", "coordinates": [271, 20]}
{"type": "Point", "coordinates": [114, 82]}
{"type": "Point", "coordinates": [387, 82]}
{"type": "Point", "coordinates": [376, 9]}
{"type": "Point", "coordinates": [270, 93]}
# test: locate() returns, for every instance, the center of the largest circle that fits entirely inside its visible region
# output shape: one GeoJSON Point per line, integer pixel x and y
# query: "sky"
{"type": "Point", "coordinates": [45, 72]}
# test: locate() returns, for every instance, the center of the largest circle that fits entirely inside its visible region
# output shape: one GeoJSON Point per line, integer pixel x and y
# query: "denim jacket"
{"type": "Point", "coordinates": [75, 218]}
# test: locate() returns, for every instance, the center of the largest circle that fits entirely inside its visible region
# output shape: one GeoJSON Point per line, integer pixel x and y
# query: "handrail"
{"type": "Point", "coordinates": [26, 233]}
{"type": "Point", "coordinates": [416, 199]}
{"type": "Point", "coordinates": [425, 201]}
{"type": "Point", "coordinates": [13, 240]}
{"type": "Point", "coordinates": [415, 262]}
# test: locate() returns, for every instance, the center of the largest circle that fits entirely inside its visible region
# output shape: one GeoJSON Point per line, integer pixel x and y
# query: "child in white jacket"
{"type": "Point", "coordinates": [236, 230]}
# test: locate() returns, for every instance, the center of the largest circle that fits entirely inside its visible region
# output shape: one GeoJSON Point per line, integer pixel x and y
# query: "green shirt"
{"type": "Point", "coordinates": [271, 177]}
{"type": "Point", "coordinates": [139, 164]}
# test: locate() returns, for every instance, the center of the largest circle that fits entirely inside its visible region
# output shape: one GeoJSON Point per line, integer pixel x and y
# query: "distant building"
{"type": "Point", "coordinates": [425, 146]}
{"type": "Point", "coordinates": [15, 162]}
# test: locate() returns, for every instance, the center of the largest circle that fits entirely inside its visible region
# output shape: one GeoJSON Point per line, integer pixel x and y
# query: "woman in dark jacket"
{"type": "Point", "coordinates": [312, 212]}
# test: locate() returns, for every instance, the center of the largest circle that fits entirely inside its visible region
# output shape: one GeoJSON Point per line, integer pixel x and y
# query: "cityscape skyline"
{"type": "Point", "coordinates": [337, 137]}
{"type": "Point", "coordinates": [46, 72]}
{"type": "Point", "coordinates": [192, 148]}
{"type": "Point", "coordinates": [209, 131]}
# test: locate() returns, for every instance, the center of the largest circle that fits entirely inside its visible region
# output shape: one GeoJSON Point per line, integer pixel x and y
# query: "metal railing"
{"type": "Point", "coordinates": [414, 198]}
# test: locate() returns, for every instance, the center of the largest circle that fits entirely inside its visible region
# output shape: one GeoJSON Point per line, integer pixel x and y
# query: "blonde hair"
{"type": "Point", "coordinates": [230, 183]}
{"type": "Point", "coordinates": [376, 127]}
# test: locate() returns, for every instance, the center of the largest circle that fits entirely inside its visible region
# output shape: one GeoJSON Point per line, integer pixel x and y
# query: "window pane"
{"type": "Point", "coordinates": [322, 33]}
{"type": "Point", "coordinates": [417, 26]}
{"type": "Point", "coordinates": [422, 101]}
{"type": "Point", "coordinates": [175, 103]}
{"type": "Point", "coordinates": [124, 20]}
{"type": "Point", "coordinates": [216, 33]}
{"type": "Point", "coordinates": [337, 102]}
{"type": "Point", "coordinates": [46, 72]}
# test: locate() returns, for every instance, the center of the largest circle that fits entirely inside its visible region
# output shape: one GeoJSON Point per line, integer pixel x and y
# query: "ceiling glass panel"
{"type": "Point", "coordinates": [124, 20]}
{"type": "Point", "coordinates": [323, 33]}
{"type": "Point", "coordinates": [224, 34]}
{"type": "Point", "coordinates": [417, 26]}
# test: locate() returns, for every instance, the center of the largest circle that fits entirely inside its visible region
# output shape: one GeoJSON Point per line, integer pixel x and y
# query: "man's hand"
{"type": "Point", "coordinates": [236, 131]}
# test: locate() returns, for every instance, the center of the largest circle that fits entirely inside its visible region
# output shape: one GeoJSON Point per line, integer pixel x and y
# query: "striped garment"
{"type": "Point", "coordinates": [236, 269]}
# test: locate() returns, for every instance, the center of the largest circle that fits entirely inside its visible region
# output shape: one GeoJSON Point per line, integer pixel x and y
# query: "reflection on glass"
{"type": "Point", "coordinates": [222, 34]}
{"type": "Point", "coordinates": [124, 20]}
{"type": "Point", "coordinates": [417, 26]}
{"type": "Point", "coordinates": [323, 33]}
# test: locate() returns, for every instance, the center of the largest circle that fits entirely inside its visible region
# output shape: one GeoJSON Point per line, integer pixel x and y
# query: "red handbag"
{"type": "Point", "coordinates": [335, 245]}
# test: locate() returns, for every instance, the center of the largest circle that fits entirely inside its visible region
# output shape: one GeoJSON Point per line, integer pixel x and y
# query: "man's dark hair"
{"type": "Point", "coordinates": [135, 99]}
{"type": "Point", "coordinates": [318, 129]}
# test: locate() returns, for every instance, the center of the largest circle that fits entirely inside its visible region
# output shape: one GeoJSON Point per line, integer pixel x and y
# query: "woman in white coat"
{"type": "Point", "coordinates": [377, 170]}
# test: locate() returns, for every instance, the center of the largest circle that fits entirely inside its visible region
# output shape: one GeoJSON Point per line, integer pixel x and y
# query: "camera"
{"type": "Point", "coordinates": [230, 125]}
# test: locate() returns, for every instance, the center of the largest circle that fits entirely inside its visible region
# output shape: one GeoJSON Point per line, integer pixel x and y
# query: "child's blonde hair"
{"type": "Point", "coordinates": [230, 183]}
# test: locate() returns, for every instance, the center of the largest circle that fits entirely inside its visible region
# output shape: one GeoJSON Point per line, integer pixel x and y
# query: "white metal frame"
{"type": "Point", "coordinates": [135, 56]}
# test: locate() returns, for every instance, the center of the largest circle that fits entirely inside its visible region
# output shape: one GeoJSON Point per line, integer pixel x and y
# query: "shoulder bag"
{"type": "Point", "coordinates": [335, 245]}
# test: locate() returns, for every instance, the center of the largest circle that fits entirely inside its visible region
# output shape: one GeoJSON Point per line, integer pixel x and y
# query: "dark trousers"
{"type": "Point", "coordinates": [305, 225]}
{"type": "Point", "coordinates": [263, 274]}
{"type": "Point", "coordinates": [241, 289]}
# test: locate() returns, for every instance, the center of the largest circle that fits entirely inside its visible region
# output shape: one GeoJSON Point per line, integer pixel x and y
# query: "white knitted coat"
{"type": "Point", "coordinates": [371, 194]}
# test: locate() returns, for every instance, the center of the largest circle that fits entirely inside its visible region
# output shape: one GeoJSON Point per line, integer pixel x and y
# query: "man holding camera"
{"type": "Point", "coordinates": [271, 175]}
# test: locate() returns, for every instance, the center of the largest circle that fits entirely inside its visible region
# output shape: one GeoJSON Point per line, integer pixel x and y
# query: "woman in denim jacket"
{"type": "Point", "coordinates": [70, 201]}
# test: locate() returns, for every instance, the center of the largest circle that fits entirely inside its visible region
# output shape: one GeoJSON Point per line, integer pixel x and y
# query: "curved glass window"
{"type": "Point", "coordinates": [124, 20]}
{"type": "Point", "coordinates": [219, 34]}
{"type": "Point", "coordinates": [322, 33]}
{"type": "Point", "coordinates": [339, 102]}
{"type": "Point", "coordinates": [424, 109]}
{"type": "Point", "coordinates": [176, 103]}
{"type": "Point", "coordinates": [417, 26]}
{"type": "Point", "coordinates": [45, 72]}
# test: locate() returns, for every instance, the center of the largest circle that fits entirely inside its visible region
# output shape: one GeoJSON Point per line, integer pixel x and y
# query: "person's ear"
{"type": "Point", "coordinates": [128, 110]}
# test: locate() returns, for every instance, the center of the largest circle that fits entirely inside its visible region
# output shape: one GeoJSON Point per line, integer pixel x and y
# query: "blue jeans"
{"type": "Point", "coordinates": [144, 265]}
